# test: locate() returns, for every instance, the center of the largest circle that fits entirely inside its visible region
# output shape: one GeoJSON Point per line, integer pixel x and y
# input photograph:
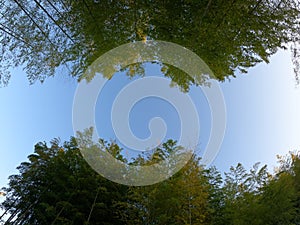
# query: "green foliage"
{"type": "Point", "coordinates": [258, 198]}
{"type": "Point", "coordinates": [43, 36]}
{"type": "Point", "coordinates": [182, 199]}
{"type": "Point", "coordinates": [57, 186]}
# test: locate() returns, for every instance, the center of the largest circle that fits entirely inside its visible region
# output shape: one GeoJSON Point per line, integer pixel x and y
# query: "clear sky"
{"type": "Point", "coordinates": [263, 110]}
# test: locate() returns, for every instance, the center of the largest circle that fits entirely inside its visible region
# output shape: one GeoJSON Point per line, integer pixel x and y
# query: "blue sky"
{"type": "Point", "coordinates": [147, 109]}
{"type": "Point", "coordinates": [263, 109]}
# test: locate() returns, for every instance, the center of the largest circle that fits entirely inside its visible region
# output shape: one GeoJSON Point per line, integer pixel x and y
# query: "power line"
{"type": "Point", "coordinates": [33, 21]}
{"type": "Point", "coordinates": [13, 34]}
{"type": "Point", "coordinates": [10, 32]}
{"type": "Point", "coordinates": [54, 7]}
{"type": "Point", "coordinates": [63, 4]}
{"type": "Point", "coordinates": [45, 35]}
{"type": "Point", "coordinates": [54, 20]}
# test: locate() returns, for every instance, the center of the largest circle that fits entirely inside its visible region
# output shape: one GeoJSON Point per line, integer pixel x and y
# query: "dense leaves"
{"type": "Point", "coordinates": [57, 186]}
{"type": "Point", "coordinates": [43, 36]}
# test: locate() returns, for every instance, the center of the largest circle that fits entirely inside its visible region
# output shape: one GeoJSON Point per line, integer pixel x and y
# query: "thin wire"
{"type": "Point", "coordinates": [12, 33]}
{"type": "Point", "coordinates": [24, 10]}
{"type": "Point", "coordinates": [58, 12]}
{"type": "Point", "coordinates": [9, 32]}
{"type": "Point", "coordinates": [63, 4]}
{"type": "Point", "coordinates": [93, 205]}
{"type": "Point", "coordinates": [57, 24]}
{"type": "Point", "coordinates": [54, 7]}
{"type": "Point", "coordinates": [27, 14]}
{"type": "Point", "coordinates": [66, 8]}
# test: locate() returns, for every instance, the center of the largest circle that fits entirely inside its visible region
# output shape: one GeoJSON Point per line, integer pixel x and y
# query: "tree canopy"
{"type": "Point", "coordinates": [57, 186]}
{"type": "Point", "coordinates": [43, 36]}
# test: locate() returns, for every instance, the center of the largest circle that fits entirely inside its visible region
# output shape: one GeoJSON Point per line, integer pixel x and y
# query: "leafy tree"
{"type": "Point", "coordinates": [258, 198]}
{"type": "Point", "coordinates": [216, 197]}
{"type": "Point", "coordinates": [288, 178]}
{"type": "Point", "coordinates": [182, 199]}
{"type": "Point", "coordinates": [57, 186]}
{"type": "Point", "coordinates": [43, 36]}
